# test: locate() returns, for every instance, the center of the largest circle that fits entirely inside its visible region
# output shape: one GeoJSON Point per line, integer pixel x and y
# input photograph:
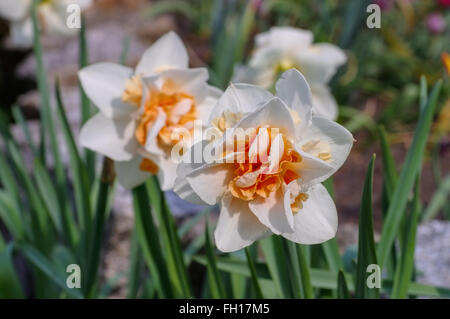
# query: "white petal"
{"type": "Point", "coordinates": [285, 38]}
{"type": "Point", "coordinates": [183, 189]}
{"type": "Point", "coordinates": [266, 58]}
{"type": "Point", "coordinates": [270, 212]}
{"type": "Point", "coordinates": [324, 103]}
{"type": "Point", "coordinates": [167, 171]}
{"type": "Point", "coordinates": [311, 169]}
{"type": "Point", "coordinates": [210, 182]}
{"type": "Point", "coordinates": [104, 84]}
{"type": "Point", "coordinates": [276, 152]}
{"type": "Point", "coordinates": [317, 221]}
{"type": "Point", "coordinates": [259, 146]}
{"type": "Point", "coordinates": [320, 62]}
{"type": "Point", "coordinates": [261, 76]}
{"type": "Point", "coordinates": [273, 114]}
{"type": "Point", "coordinates": [339, 139]}
{"type": "Point", "coordinates": [14, 9]}
{"type": "Point", "coordinates": [293, 89]}
{"type": "Point", "coordinates": [237, 227]}
{"type": "Point", "coordinates": [186, 80]}
{"type": "Point", "coordinates": [151, 141]}
{"type": "Point", "coordinates": [205, 107]}
{"type": "Point", "coordinates": [113, 138]}
{"type": "Point", "coordinates": [168, 52]}
{"type": "Point", "coordinates": [129, 174]}
{"type": "Point", "coordinates": [240, 98]}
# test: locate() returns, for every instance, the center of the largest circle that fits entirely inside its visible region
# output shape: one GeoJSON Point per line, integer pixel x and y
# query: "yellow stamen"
{"type": "Point", "coordinates": [133, 91]}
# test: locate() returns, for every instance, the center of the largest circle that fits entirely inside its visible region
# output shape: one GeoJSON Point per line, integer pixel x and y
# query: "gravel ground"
{"type": "Point", "coordinates": [433, 253]}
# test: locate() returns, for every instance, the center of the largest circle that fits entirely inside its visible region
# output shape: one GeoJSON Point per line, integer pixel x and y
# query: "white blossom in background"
{"type": "Point", "coordinates": [270, 184]}
{"type": "Point", "coordinates": [141, 108]}
{"type": "Point", "coordinates": [283, 48]}
{"type": "Point", "coordinates": [52, 15]}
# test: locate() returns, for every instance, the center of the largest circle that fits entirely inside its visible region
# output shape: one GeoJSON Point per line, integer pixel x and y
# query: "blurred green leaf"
{"type": "Point", "coordinates": [214, 278]}
{"type": "Point", "coordinates": [253, 276]}
{"type": "Point", "coordinates": [11, 217]}
{"type": "Point", "coordinates": [10, 284]}
{"type": "Point", "coordinates": [149, 241]}
{"type": "Point", "coordinates": [366, 244]}
{"type": "Point", "coordinates": [439, 199]}
{"type": "Point", "coordinates": [276, 260]}
{"type": "Point", "coordinates": [342, 289]}
{"type": "Point", "coordinates": [319, 278]}
{"type": "Point", "coordinates": [19, 118]}
{"type": "Point", "coordinates": [45, 265]}
{"type": "Point", "coordinates": [404, 271]}
{"type": "Point", "coordinates": [86, 110]}
{"type": "Point", "coordinates": [405, 182]}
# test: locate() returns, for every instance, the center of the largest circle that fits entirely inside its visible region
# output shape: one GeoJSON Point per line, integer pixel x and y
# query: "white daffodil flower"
{"type": "Point", "coordinates": [139, 110]}
{"type": "Point", "coordinates": [272, 185]}
{"type": "Point", "coordinates": [283, 48]}
{"type": "Point", "coordinates": [52, 15]}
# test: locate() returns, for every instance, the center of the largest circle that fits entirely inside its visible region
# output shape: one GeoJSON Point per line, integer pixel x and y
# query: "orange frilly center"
{"type": "Point", "coordinates": [261, 174]}
{"type": "Point", "coordinates": [178, 108]}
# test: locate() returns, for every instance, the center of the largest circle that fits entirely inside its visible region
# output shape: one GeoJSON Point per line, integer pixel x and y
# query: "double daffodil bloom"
{"type": "Point", "coordinates": [141, 108]}
{"type": "Point", "coordinates": [283, 48]}
{"type": "Point", "coordinates": [269, 182]}
{"type": "Point", "coordinates": [52, 15]}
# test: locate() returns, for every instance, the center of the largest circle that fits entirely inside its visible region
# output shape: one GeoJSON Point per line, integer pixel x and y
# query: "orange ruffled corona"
{"type": "Point", "coordinates": [265, 172]}
{"type": "Point", "coordinates": [177, 108]}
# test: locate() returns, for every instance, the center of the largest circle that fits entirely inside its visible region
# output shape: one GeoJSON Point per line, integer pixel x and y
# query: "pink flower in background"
{"type": "Point", "coordinates": [385, 5]}
{"type": "Point", "coordinates": [445, 3]}
{"type": "Point", "coordinates": [435, 23]}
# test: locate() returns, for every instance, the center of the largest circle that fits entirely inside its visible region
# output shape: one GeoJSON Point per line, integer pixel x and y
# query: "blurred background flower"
{"type": "Point", "coordinates": [435, 23]}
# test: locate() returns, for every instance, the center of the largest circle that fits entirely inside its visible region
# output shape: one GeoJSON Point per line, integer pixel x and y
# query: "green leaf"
{"type": "Point", "coordinates": [187, 226]}
{"type": "Point", "coordinates": [10, 284]}
{"type": "Point", "coordinates": [366, 243]}
{"type": "Point", "coordinates": [320, 278]}
{"type": "Point", "coordinates": [47, 122]}
{"type": "Point", "coordinates": [276, 261]}
{"type": "Point", "coordinates": [406, 180]}
{"type": "Point", "coordinates": [253, 276]}
{"type": "Point", "coordinates": [174, 6]}
{"type": "Point", "coordinates": [11, 217]}
{"type": "Point", "coordinates": [136, 267]}
{"type": "Point", "coordinates": [19, 118]}
{"type": "Point", "coordinates": [439, 199]}
{"type": "Point", "coordinates": [330, 247]}
{"type": "Point", "coordinates": [79, 172]}
{"type": "Point", "coordinates": [86, 110]}
{"type": "Point", "coordinates": [170, 240]}
{"type": "Point", "coordinates": [149, 242]}
{"type": "Point", "coordinates": [342, 288]}
{"type": "Point", "coordinates": [42, 263]}
{"type": "Point", "coordinates": [48, 193]}
{"type": "Point", "coordinates": [99, 221]}
{"type": "Point", "coordinates": [423, 93]}
{"type": "Point", "coordinates": [389, 169]}
{"type": "Point", "coordinates": [39, 216]}
{"type": "Point", "coordinates": [214, 278]}
{"type": "Point", "coordinates": [404, 271]}
{"type": "Point", "coordinates": [301, 270]}
{"type": "Point", "coordinates": [193, 248]}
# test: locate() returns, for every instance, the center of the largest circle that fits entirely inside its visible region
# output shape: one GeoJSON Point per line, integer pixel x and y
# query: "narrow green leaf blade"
{"type": "Point", "coordinates": [406, 180]}
{"type": "Point", "coordinates": [366, 244]}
